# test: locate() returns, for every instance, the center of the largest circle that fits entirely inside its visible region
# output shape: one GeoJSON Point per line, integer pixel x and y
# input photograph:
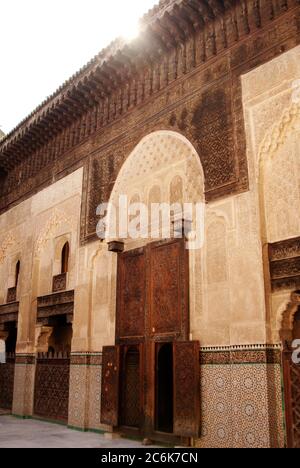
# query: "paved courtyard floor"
{"type": "Point", "coordinates": [29, 433]}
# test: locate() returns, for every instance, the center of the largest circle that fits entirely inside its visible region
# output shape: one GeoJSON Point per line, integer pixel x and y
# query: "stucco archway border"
{"type": "Point", "coordinates": [287, 322]}
{"type": "Point", "coordinates": [159, 133]}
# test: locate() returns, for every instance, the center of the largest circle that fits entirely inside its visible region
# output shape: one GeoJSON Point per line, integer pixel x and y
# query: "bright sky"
{"type": "Point", "coordinates": [44, 42]}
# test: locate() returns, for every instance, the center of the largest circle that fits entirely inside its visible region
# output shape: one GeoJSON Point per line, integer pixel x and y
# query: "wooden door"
{"type": "Point", "coordinates": [186, 388]}
{"type": "Point", "coordinates": [168, 280]}
{"type": "Point", "coordinates": [291, 372]}
{"type": "Point", "coordinates": [131, 296]}
{"type": "Point", "coordinates": [152, 296]}
{"type": "Point", "coordinates": [110, 386]}
{"type": "Point", "coordinates": [152, 307]}
{"type": "Point", "coordinates": [131, 387]}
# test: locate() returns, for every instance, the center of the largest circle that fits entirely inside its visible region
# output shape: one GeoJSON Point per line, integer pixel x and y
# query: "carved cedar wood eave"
{"type": "Point", "coordinates": [284, 258]}
{"type": "Point", "coordinates": [56, 304]}
{"type": "Point", "coordinates": [9, 313]}
{"type": "Point", "coordinates": [192, 87]}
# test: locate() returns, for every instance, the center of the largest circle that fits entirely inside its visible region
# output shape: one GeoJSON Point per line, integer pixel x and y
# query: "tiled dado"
{"type": "Point", "coordinates": [24, 385]}
{"type": "Point", "coordinates": [85, 391]}
{"type": "Point", "coordinates": [253, 354]}
{"type": "Point", "coordinates": [241, 397]}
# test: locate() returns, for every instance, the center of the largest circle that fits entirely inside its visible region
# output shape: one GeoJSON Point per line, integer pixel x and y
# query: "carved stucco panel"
{"type": "Point", "coordinates": [282, 190]}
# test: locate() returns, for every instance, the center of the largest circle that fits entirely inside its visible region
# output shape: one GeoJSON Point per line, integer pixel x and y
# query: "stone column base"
{"type": "Point", "coordinates": [24, 385]}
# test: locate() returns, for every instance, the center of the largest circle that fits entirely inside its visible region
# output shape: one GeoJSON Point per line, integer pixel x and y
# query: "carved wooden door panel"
{"type": "Point", "coordinates": [110, 385]}
{"type": "Point", "coordinates": [131, 386]}
{"type": "Point", "coordinates": [291, 373]}
{"type": "Point", "coordinates": [186, 388]}
{"type": "Point", "coordinates": [168, 293]}
{"type": "Point", "coordinates": [131, 295]}
{"type": "Point", "coordinates": [152, 307]}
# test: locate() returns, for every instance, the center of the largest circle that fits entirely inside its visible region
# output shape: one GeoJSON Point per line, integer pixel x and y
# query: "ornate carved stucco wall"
{"type": "Point", "coordinates": [241, 401]}
{"type": "Point", "coordinates": [272, 119]}
{"type": "Point", "coordinates": [30, 232]}
{"type": "Point", "coordinates": [164, 167]}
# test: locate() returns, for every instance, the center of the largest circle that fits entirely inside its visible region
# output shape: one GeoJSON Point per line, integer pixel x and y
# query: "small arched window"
{"type": "Point", "coordinates": [17, 274]}
{"type": "Point", "coordinates": [65, 258]}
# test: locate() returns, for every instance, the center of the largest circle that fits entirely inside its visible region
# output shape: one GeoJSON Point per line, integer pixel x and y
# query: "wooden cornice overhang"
{"type": "Point", "coordinates": [163, 28]}
{"type": "Point", "coordinates": [167, 27]}
{"type": "Point", "coordinates": [61, 303]}
{"type": "Point", "coordinates": [9, 313]}
{"type": "Point", "coordinates": [284, 258]}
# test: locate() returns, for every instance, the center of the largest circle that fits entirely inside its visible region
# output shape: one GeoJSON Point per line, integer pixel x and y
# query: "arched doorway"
{"type": "Point", "coordinates": [52, 372]}
{"type": "Point", "coordinates": [157, 288]}
{"type": "Point", "coordinates": [290, 334]}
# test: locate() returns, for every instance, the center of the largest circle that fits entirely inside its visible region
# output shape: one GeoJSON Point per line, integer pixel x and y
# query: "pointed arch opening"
{"type": "Point", "coordinates": [65, 254]}
{"type": "Point", "coordinates": [17, 273]}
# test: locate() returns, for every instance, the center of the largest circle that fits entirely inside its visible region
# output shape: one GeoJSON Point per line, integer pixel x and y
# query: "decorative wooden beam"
{"type": "Point", "coordinates": [217, 6]}
{"type": "Point", "coordinates": [164, 33]}
{"type": "Point", "coordinates": [91, 89]}
{"type": "Point", "coordinates": [195, 16]}
{"type": "Point", "coordinates": [106, 85]}
{"type": "Point", "coordinates": [204, 9]}
{"type": "Point", "coordinates": [173, 27]}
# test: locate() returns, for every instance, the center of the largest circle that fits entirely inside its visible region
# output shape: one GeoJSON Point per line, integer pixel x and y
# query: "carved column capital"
{"type": "Point", "coordinates": [42, 336]}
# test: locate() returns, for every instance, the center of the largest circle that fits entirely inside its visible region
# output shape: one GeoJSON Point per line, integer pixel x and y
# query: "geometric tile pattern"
{"type": "Point", "coordinates": [51, 396]}
{"type": "Point", "coordinates": [94, 406]}
{"type": "Point", "coordinates": [276, 407]}
{"type": "Point", "coordinates": [7, 375]}
{"type": "Point", "coordinates": [250, 406]}
{"type": "Point", "coordinates": [78, 396]}
{"type": "Point", "coordinates": [295, 378]}
{"type": "Point", "coordinates": [216, 410]}
{"type": "Point", "coordinates": [241, 403]}
{"type": "Point", "coordinates": [85, 391]}
{"type": "Point", "coordinates": [241, 406]}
